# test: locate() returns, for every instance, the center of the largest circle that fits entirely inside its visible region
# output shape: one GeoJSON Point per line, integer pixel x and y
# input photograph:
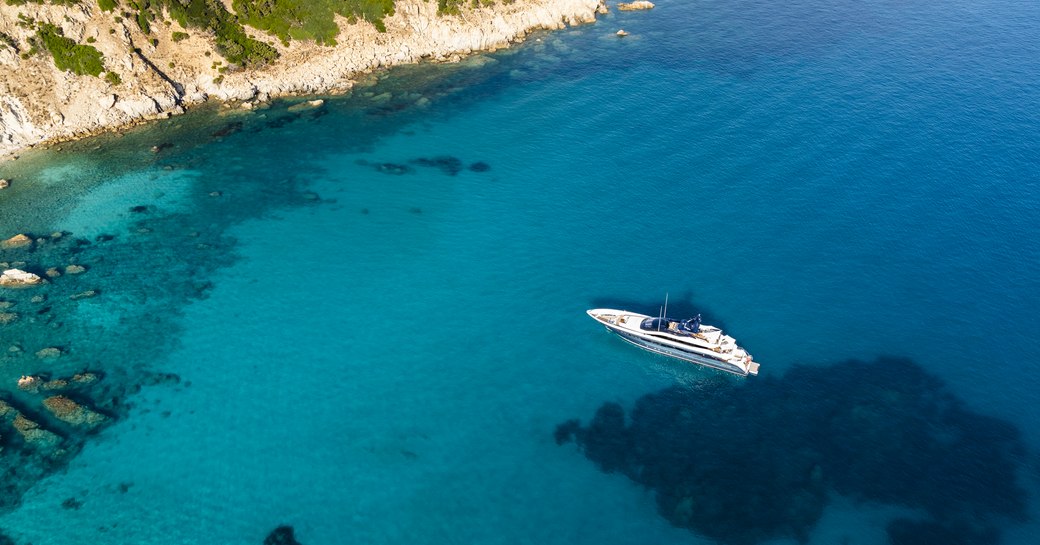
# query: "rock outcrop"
{"type": "Point", "coordinates": [73, 413]}
{"type": "Point", "coordinates": [637, 5]}
{"type": "Point", "coordinates": [17, 241]}
{"type": "Point", "coordinates": [16, 278]}
{"type": "Point", "coordinates": [156, 75]}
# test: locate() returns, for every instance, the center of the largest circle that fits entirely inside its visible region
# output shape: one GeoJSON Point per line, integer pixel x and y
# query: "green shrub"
{"type": "Point", "coordinates": [107, 5]}
{"type": "Point", "coordinates": [68, 55]}
{"type": "Point", "coordinates": [7, 41]}
{"type": "Point", "coordinates": [178, 36]}
{"type": "Point", "coordinates": [143, 22]}
{"type": "Point", "coordinates": [113, 78]}
{"type": "Point", "coordinates": [449, 7]}
{"type": "Point", "coordinates": [231, 39]}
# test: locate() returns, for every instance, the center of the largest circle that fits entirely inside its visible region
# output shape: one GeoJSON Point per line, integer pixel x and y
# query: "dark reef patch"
{"type": "Point", "coordinates": [750, 462]}
{"type": "Point", "coordinates": [925, 532]}
{"type": "Point", "coordinates": [479, 166]}
{"type": "Point", "coordinates": [282, 535]}
{"type": "Point", "coordinates": [282, 120]}
{"type": "Point", "coordinates": [445, 163]}
{"type": "Point", "coordinates": [228, 129]}
{"type": "Point", "coordinates": [71, 503]}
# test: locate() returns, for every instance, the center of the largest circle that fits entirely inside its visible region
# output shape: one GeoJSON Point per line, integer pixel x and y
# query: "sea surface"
{"type": "Point", "coordinates": [366, 319]}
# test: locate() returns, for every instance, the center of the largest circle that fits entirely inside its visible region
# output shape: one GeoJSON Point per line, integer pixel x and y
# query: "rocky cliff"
{"type": "Point", "coordinates": [159, 73]}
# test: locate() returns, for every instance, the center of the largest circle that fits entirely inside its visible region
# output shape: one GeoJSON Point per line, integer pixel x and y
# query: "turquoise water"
{"type": "Point", "coordinates": [371, 348]}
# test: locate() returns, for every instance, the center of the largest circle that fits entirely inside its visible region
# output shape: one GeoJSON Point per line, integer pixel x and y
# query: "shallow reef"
{"type": "Point", "coordinates": [748, 462]}
{"type": "Point", "coordinates": [77, 347]}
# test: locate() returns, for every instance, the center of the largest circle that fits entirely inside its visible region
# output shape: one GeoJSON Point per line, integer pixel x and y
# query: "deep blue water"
{"type": "Point", "coordinates": [374, 349]}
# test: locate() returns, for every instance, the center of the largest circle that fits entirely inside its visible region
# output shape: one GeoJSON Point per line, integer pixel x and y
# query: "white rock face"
{"type": "Point", "coordinates": [16, 278]}
{"type": "Point", "coordinates": [39, 102]}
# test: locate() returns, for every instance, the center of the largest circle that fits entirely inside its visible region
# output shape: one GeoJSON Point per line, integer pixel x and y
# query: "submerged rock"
{"type": "Point", "coordinates": [75, 269]}
{"type": "Point", "coordinates": [446, 163]}
{"type": "Point", "coordinates": [56, 384]}
{"type": "Point", "coordinates": [229, 129]}
{"type": "Point", "coordinates": [4, 184]}
{"type": "Point", "coordinates": [8, 318]}
{"type": "Point", "coordinates": [70, 412]}
{"type": "Point", "coordinates": [306, 105]}
{"type": "Point", "coordinates": [33, 434]}
{"type": "Point", "coordinates": [393, 168]}
{"type": "Point", "coordinates": [17, 241]}
{"type": "Point", "coordinates": [17, 278]}
{"type": "Point", "coordinates": [282, 535]}
{"type": "Point", "coordinates": [48, 353]}
{"type": "Point", "coordinates": [85, 378]}
{"type": "Point", "coordinates": [633, 6]}
{"type": "Point", "coordinates": [83, 295]}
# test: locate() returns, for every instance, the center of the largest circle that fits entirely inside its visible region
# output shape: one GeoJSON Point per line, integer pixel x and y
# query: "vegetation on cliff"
{"type": "Point", "coordinates": [454, 7]}
{"type": "Point", "coordinates": [310, 19]}
{"type": "Point", "coordinates": [80, 59]}
{"type": "Point", "coordinates": [231, 39]}
{"type": "Point", "coordinates": [287, 19]}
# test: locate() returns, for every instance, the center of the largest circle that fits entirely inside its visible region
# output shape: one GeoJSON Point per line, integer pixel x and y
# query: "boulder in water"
{"type": "Point", "coordinates": [17, 278]}
{"type": "Point", "coordinates": [17, 241]}
{"type": "Point", "coordinates": [637, 5]}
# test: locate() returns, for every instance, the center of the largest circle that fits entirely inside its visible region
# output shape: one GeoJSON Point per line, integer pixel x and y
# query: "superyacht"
{"type": "Point", "coordinates": [688, 339]}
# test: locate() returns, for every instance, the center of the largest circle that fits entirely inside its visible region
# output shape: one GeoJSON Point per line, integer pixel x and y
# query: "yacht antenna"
{"type": "Point", "coordinates": [663, 311]}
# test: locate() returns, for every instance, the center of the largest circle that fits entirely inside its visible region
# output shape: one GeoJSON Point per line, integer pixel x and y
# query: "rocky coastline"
{"type": "Point", "coordinates": [158, 75]}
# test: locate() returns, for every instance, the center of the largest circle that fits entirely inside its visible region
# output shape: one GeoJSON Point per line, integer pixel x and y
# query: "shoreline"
{"type": "Point", "coordinates": [42, 106]}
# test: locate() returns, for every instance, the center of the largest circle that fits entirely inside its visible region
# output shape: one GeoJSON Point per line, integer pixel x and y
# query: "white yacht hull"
{"type": "Point", "coordinates": [724, 355]}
